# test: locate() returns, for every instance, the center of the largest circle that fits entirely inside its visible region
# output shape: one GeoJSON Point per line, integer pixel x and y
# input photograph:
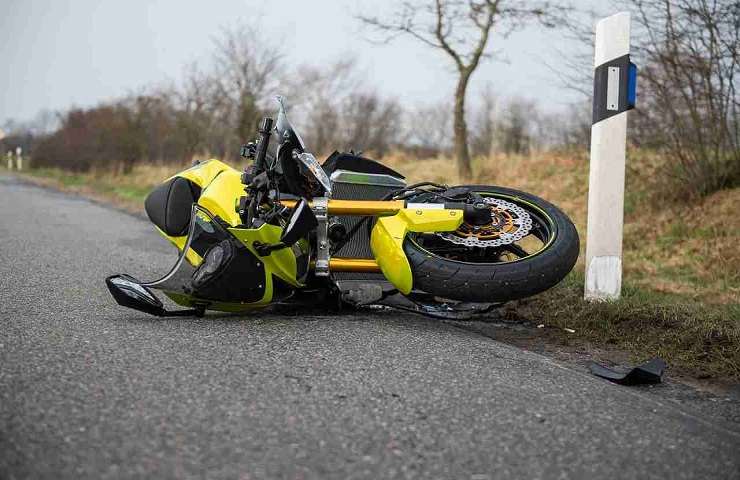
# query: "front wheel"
{"type": "Point", "coordinates": [529, 246]}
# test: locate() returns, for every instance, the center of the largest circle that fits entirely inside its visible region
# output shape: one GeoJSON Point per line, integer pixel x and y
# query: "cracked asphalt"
{"type": "Point", "coordinates": [92, 390]}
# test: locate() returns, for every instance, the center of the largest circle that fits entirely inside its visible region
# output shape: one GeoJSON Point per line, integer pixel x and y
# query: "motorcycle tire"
{"type": "Point", "coordinates": [499, 281]}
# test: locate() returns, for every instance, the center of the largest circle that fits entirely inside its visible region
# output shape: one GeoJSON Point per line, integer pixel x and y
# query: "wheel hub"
{"type": "Point", "coordinates": [509, 223]}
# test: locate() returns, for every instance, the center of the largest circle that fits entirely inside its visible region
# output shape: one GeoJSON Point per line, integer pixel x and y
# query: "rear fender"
{"type": "Point", "coordinates": [386, 239]}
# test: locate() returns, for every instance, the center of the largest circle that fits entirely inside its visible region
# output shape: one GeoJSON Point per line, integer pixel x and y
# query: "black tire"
{"type": "Point", "coordinates": [499, 282]}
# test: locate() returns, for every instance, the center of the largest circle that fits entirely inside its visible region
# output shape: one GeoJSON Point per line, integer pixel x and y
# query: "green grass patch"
{"type": "Point", "coordinates": [118, 187]}
{"type": "Point", "coordinates": [698, 339]}
{"type": "Point", "coordinates": [132, 192]}
{"type": "Point", "coordinates": [67, 179]}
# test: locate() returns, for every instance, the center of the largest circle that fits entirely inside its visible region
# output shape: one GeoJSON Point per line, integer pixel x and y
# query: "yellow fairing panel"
{"type": "Point", "coordinates": [386, 240]}
{"type": "Point", "coordinates": [281, 263]}
{"type": "Point", "coordinates": [203, 173]}
{"type": "Point", "coordinates": [221, 196]}
{"type": "Point", "coordinates": [221, 187]}
{"type": "Point", "coordinates": [188, 301]}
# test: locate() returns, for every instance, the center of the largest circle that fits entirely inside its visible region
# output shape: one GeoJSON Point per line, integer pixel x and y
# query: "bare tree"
{"type": "Point", "coordinates": [691, 55]}
{"type": "Point", "coordinates": [484, 127]}
{"type": "Point", "coordinates": [570, 127]}
{"type": "Point", "coordinates": [201, 121]}
{"type": "Point", "coordinates": [371, 123]}
{"type": "Point", "coordinates": [514, 130]}
{"type": "Point", "coordinates": [316, 95]}
{"type": "Point", "coordinates": [428, 127]}
{"type": "Point", "coordinates": [340, 111]}
{"type": "Point", "coordinates": [247, 70]}
{"type": "Point", "coordinates": [461, 29]}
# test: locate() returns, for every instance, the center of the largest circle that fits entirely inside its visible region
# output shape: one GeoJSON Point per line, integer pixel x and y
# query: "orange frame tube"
{"type": "Point", "coordinates": [364, 265]}
{"type": "Point", "coordinates": [358, 207]}
{"type": "Point", "coordinates": [357, 265]}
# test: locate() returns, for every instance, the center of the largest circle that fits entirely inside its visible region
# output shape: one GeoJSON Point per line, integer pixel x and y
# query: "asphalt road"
{"type": "Point", "coordinates": [91, 390]}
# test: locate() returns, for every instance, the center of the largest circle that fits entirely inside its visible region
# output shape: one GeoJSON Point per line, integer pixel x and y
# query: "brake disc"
{"type": "Point", "coordinates": [517, 221]}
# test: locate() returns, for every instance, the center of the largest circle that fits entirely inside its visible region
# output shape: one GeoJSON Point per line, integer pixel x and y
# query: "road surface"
{"type": "Point", "coordinates": [92, 390]}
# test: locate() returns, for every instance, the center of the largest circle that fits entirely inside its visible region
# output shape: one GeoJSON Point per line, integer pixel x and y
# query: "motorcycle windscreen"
{"type": "Point", "coordinates": [213, 266]}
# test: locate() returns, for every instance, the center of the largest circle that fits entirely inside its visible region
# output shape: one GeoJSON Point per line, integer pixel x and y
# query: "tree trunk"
{"type": "Point", "coordinates": [462, 153]}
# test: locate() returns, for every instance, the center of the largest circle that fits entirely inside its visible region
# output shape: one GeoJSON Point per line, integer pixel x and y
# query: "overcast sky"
{"type": "Point", "coordinates": [60, 53]}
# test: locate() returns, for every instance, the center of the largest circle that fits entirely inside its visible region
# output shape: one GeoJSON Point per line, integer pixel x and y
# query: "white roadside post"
{"type": "Point", "coordinates": [10, 160]}
{"type": "Point", "coordinates": [614, 95]}
{"type": "Point", "coordinates": [19, 158]}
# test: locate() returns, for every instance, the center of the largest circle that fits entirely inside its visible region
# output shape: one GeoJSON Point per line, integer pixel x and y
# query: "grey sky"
{"type": "Point", "coordinates": [59, 53]}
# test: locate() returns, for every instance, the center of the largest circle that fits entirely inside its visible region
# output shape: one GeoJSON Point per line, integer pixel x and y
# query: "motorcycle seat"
{"type": "Point", "coordinates": [356, 163]}
{"type": "Point", "coordinates": [169, 205]}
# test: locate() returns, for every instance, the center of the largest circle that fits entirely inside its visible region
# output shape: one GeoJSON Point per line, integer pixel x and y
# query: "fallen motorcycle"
{"type": "Point", "coordinates": [350, 231]}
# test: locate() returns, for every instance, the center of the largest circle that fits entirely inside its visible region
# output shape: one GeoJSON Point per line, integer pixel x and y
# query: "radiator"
{"type": "Point", "coordinates": [356, 186]}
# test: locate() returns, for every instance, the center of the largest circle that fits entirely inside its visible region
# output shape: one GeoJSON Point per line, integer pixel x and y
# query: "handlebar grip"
{"type": "Point", "coordinates": [265, 130]}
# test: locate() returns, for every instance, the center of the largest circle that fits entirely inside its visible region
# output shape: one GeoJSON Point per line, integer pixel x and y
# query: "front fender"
{"type": "Point", "coordinates": [386, 239]}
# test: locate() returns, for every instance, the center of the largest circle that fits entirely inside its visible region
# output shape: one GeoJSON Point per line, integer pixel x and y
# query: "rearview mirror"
{"type": "Point", "coordinates": [129, 293]}
{"type": "Point", "coordinates": [301, 222]}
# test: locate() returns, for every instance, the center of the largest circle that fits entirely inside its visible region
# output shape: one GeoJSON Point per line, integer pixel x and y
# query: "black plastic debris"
{"type": "Point", "coordinates": [430, 306]}
{"type": "Point", "coordinates": [647, 373]}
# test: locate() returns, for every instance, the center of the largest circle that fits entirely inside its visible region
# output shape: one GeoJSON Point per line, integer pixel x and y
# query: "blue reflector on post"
{"type": "Point", "coordinates": [631, 85]}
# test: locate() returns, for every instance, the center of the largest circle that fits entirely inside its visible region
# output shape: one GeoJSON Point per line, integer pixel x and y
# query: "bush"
{"type": "Point", "coordinates": [688, 90]}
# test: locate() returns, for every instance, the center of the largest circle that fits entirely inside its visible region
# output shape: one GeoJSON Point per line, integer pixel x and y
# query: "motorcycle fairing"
{"type": "Point", "coordinates": [221, 188]}
{"type": "Point", "coordinates": [388, 234]}
{"type": "Point", "coordinates": [289, 264]}
{"type": "Point", "coordinates": [204, 276]}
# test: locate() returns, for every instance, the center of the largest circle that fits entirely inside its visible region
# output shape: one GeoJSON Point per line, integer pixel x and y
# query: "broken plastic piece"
{"type": "Point", "coordinates": [647, 373]}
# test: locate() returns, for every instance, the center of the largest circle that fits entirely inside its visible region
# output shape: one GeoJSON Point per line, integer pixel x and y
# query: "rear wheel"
{"type": "Point", "coordinates": [529, 246]}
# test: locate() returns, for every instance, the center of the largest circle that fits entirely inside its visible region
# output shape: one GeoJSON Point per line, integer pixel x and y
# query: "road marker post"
{"type": "Point", "coordinates": [19, 158]}
{"type": "Point", "coordinates": [615, 80]}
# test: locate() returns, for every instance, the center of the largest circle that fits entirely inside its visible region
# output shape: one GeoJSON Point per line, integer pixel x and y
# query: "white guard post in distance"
{"type": "Point", "coordinates": [615, 80]}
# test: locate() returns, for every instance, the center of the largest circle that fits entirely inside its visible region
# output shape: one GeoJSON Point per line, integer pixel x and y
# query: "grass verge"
{"type": "Point", "coordinates": [124, 191]}
{"type": "Point", "coordinates": [697, 339]}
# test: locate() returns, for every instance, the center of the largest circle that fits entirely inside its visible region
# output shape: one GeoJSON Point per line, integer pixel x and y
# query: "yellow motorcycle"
{"type": "Point", "coordinates": [350, 231]}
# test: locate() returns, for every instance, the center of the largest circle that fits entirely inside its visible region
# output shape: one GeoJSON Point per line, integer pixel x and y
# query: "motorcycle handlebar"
{"type": "Point", "coordinates": [265, 130]}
